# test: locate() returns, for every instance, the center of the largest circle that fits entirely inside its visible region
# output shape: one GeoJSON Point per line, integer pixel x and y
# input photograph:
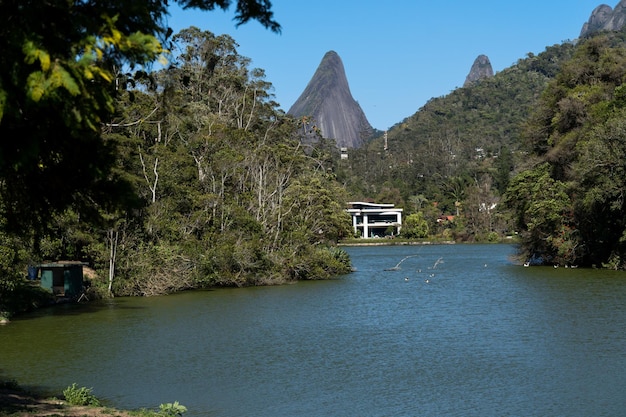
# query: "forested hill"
{"type": "Point", "coordinates": [538, 150]}
{"type": "Point", "coordinates": [458, 135]}
{"type": "Point", "coordinates": [473, 131]}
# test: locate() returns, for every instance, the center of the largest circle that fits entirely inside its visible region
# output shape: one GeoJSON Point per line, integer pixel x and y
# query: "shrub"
{"type": "Point", "coordinates": [415, 226]}
{"type": "Point", "coordinates": [493, 237]}
{"type": "Point", "coordinates": [172, 410]}
{"type": "Point", "coordinates": [80, 396]}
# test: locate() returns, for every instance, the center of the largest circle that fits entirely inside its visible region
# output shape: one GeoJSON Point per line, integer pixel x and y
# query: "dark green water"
{"type": "Point", "coordinates": [483, 337]}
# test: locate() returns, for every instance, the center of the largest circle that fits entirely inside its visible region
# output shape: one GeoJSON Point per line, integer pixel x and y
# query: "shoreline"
{"type": "Point", "coordinates": [18, 402]}
{"type": "Point", "coordinates": [392, 243]}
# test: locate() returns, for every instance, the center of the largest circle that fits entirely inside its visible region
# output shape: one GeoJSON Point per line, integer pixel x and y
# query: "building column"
{"type": "Point", "coordinates": [399, 220]}
{"type": "Point", "coordinates": [354, 218]}
{"type": "Point", "coordinates": [366, 229]}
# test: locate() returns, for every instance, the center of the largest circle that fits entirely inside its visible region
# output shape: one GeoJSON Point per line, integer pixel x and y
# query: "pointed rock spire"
{"type": "Point", "coordinates": [604, 17]}
{"type": "Point", "coordinates": [328, 101]}
{"type": "Point", "coordinates": [480, 69]}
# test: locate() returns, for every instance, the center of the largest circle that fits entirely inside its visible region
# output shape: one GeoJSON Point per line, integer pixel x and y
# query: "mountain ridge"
{"type": "Point", "coordinates": [329, 108]}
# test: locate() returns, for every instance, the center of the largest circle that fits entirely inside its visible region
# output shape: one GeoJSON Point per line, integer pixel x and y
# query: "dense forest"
{"type": "Point", "coordinates": [178, 177]}
{"type": "Point", "coordinates": [568, 198]}
{"type": "Point", "coordinates": [226, 193]}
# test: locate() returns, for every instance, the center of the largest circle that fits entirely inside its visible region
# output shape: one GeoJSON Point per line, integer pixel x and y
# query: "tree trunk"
{"type": "Point", "coordinates": [113, 236]}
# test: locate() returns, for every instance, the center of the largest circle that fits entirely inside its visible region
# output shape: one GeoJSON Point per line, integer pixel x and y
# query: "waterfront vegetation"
{"type": "Point", "coordinates": [16, 401]}
{"type": "Point", "coordinates": [190, 176]}
{"type": "Point", "coordinates": [183, 177]}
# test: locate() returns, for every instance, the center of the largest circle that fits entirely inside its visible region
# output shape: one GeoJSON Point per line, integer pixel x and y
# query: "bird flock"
{"type": "Point", "coordinates": [430, 271]}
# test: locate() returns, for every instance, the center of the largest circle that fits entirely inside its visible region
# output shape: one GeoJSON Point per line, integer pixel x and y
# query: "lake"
{"type": "Point", "coordinates": [450, 330]}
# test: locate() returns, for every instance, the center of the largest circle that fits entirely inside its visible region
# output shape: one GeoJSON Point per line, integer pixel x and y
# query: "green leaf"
{"type": "Point", "coordinates": [66, 80]}
{"type": "Point", "coordinates": [36, 85]}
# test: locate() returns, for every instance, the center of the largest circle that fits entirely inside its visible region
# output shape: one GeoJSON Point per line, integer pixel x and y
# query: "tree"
{"type": "Point", "coordinates": [415, 226]}
{"type": "Point", "coordinates": [600, 204]}
{"type": "Point", "coordinates": [234, 199]}
{"type": "Point", "coordinates": [543, 213]}
{"type": "Point", "coordinates": [574, 210]}
{"type": "Point", "coordinates": [479, 209]}
{"type": "Point", "coordinates": [417, 201]}
{"type": "Point", "coordinates": [60, 71]}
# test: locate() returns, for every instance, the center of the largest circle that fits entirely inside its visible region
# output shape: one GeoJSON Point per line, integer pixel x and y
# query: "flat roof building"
{"type": "Point", "coordinates": [375, 220]}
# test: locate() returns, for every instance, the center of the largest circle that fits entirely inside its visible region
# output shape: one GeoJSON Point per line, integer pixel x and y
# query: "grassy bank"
{"type": "Point", "coordinates": [75, 402]}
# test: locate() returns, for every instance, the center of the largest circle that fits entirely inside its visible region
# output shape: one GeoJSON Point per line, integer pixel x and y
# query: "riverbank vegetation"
{"type": "Point", "coordinates": [569, 195]}
{"type": "Point", "coordinates": [162, 178]}
{"type": "Point", "coordinates": [225, 193]}
{"type": "Point", "coordinates": [76, 401]}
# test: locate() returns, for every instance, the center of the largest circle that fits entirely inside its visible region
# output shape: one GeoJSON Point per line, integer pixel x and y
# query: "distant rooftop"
{"type": "Point", "coordinates": [364, 205]}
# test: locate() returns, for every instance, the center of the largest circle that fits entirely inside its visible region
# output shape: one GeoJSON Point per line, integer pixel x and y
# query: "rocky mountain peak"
{"type": "Point", "coordinates": [604, 17]}
{"type": "Point", "coordinates": [328, 102]}
{"type": "Point", "coordinates": [480, 69]}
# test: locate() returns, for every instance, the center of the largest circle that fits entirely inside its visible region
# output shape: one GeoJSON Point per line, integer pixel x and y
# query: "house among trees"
{"type": "Point", "coordinates": [62, 279]}
{"type": "Point", "coordinates": [375, 220]}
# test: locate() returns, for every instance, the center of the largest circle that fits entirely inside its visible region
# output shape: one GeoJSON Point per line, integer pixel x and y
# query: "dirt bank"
{"type": "Point", "coordinates": [17, 403]}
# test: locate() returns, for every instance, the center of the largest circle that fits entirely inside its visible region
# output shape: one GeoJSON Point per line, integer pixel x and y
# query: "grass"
{"type": "Point", "coordinates": [17, 402]}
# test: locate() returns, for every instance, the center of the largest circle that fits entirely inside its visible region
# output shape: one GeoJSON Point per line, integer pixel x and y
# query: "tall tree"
{"type": "Point", "coordinates": [233, 199]}
{"type": "Point", "coordinates": [575, 210]}
{"type": "Point", "coordinates": [59, 72]}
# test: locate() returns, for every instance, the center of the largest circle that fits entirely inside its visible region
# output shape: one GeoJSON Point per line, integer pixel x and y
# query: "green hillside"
{"type": "Point", "coordinates": [455, 145]}
{"type": "Point", "coordinates": [536, 150]}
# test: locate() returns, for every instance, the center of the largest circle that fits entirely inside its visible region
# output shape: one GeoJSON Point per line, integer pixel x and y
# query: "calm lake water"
{"type": "Point", "coordinates": [483, 337]}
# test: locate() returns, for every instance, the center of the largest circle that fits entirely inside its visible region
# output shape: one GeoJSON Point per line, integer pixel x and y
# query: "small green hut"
{"type": "Point", "coordinates": [64, 279]}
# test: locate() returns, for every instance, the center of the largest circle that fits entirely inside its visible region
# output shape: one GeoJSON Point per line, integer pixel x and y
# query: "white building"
{"type": "Point", "coordinates": [373, 220]}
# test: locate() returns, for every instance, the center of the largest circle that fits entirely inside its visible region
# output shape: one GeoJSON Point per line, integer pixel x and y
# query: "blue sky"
{"type": "Point", "coordinates": [397, 54]}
